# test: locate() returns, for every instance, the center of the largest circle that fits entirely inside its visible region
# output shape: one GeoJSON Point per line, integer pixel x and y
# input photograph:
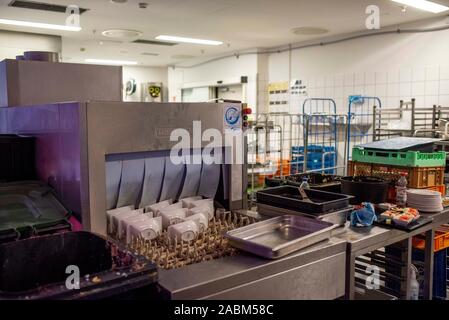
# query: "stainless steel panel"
{"type": "Point", "coordinates": [277, 237]}
{"type": "Point", "coordinates": [37, 82]}
{"type": "Point", "coordinates": [207, 279]}
{"type": "Point", "coordinates": [320, 280]}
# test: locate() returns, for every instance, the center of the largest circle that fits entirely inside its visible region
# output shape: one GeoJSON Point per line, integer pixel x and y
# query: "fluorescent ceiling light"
{"type": "Point", "coordinates": [424, 5]}
{"type": "Point", "coordinates": [189, 40]}
{"type": "Point", "coordinates": [114, 62]}
{"type": "Point", "coordinates": [39, 25]}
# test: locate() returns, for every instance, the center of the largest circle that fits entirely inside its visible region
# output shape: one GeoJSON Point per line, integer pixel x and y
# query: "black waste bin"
{"type": "Point", "coordinates": [36, 268]}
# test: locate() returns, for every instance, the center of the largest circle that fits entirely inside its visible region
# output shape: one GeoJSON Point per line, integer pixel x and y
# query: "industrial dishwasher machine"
{"type": "Point", "coordinates": [103, 155]}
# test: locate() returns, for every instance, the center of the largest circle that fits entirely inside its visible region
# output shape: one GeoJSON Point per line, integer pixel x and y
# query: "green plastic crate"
{"type": "Point", "coordinates": [403, 159]}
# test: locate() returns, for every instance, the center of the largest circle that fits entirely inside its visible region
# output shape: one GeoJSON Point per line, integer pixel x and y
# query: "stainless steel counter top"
{"type": "Point", "coordinates": [362, 239]}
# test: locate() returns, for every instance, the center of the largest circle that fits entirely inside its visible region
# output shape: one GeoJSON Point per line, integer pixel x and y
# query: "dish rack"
{"type": "Point", "coordinates": [400, 159]}
{"type": "Point", "coordinates": [208, 245]}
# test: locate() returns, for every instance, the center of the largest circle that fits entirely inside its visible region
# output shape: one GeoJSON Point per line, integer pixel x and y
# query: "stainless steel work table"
{"type": "Point", "coordinates": [323, 271]}
{"type": "Point", "coordinates": [316, 272]}
{"type": "Point", "coordinates": [361, 241]}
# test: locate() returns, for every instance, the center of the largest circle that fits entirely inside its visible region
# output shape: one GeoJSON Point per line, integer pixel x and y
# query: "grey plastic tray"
{"type": "Point", "coordinates": [280, 236]}
{"type": "Point", "coordinates": [400, 144]}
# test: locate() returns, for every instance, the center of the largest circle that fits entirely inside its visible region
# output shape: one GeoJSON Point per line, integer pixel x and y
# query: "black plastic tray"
{"type": "Point", "coordinates": [316, 181]}
{"type": "Point", "coordinates": [288, 197]}
{"type": "Point", "coordinates": [381, 221]}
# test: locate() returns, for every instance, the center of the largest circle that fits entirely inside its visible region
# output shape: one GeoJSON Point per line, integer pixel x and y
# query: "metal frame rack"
{"type": "Point", "coordinates": [320, 150]}
{"type": "Point", "coordinates": [361, 120]}
{"type": "Point", "coordinates": [270, 140]}
{"type": "Point", "coordinates": [421, 122]}
{"type": "Point", "coordinates": [281, 144]}
{"type": "Point", "coordinates": [432, 122]}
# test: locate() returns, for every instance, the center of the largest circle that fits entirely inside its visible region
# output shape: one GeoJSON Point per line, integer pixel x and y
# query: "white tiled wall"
{"type": "Point", "coordinates": [428, 85]}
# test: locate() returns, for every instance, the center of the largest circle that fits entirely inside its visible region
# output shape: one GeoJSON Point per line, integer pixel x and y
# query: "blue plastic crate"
{"type": "Point", "coordinates": [313, 148]}
{"type": "Point", "coordinates": [440, 272]}
{"type": "Point", "coordinates": [314, 158]}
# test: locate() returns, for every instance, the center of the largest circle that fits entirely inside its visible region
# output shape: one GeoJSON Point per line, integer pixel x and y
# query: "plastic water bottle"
{"type": "Point", "coordinates": [305, 183]}
{"type": "Point", "coordinates": [414, 284]}
{"type": "Point", "coordinates": [401, 191]}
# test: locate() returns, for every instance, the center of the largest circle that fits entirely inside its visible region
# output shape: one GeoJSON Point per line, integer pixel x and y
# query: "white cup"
{"type": "Point", "coordinates": [186, 231]}
{"type": "Point", "coordinates": [174, 206]}
{"type": "Point", "coordinates": [201, 219]}
{"type": "Point", "coordinates": [121, 219]}
{"type": "Point", "coordinates": [128, 222]}
{"type": "Point", "coordinates": [187, 202]}
{"type": "Point", "coordinates": [202, 202]}
{"type": "Point", "coordinates": [114, 212]}
{"type": "Point", "coordinates": [204, 206]}
{"type": "Point", "coordinates": [173, 216]}
{"type": "Point", "coordinates": [154, 208]}
{"type": "Point", "coordinates": [148, 229]}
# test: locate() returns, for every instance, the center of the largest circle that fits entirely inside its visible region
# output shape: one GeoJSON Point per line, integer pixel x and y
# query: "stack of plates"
{"type": "Point", "coordinates": [424, 200]}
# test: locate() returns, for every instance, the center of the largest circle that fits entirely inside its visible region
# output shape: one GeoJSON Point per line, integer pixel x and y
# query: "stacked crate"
{"type": "Point", "coordinates": [424, 170]}
{"type": "Point", "coordinates": [314, 158]}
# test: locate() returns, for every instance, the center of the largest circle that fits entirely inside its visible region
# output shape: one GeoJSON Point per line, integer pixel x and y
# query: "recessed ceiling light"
{"type": "Point", "coordinates": [150, 54]}
{"type": "Point", "coordinates": [119, 1]}
{"type": "Point", "coordinates": [189, 40]}
{"type": "Point", "coordinates": [121, 33]}
{"type": "Point", "coordinates": [182, 56]}
{"type": "Point", "coordinates": [424, 5]}
{"type": "Point", "coordinates": [111, 62]}
{"type": "Point", "coordinates": [306, 31]}
{"type": "Point", "coordinates": [39, 25]}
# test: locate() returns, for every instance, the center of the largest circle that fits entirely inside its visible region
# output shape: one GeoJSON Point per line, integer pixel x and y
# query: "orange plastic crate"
{"type": "Point", "coordinates": [441, 240]}
{"type": "Point", "coordinates": [441, 189]}
{"type": "Point", "coordinates": [417, 177]}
